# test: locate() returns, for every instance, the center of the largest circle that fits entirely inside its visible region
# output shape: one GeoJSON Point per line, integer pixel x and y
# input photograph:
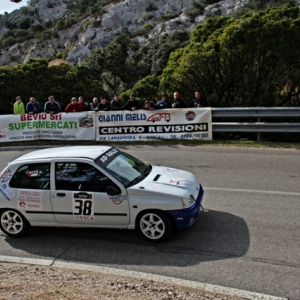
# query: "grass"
{"type": "Point", "coordinates": [254, 144]}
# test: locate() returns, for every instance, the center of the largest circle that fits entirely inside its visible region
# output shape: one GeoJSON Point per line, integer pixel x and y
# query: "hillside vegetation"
{"type": "Point", "coordinates": [248, 59]}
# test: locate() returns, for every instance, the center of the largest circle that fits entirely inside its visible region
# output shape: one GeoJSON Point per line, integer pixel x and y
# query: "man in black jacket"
{"type": "Point", "coordinates": [117, 103]}
{"type": "Point", "coordinates": [177, 101]}
{"type": "Point", "coordinates": [198, 101]}
{"type": "Point", "coordinates": [132, 103]}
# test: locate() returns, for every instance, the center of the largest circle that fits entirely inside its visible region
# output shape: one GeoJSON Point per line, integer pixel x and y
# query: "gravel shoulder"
{"type": "Point", "coordinates": [21, 281]}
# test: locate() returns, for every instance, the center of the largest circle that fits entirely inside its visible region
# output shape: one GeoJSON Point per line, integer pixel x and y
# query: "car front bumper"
{"type": "Point", "coordinates": [185, 218]}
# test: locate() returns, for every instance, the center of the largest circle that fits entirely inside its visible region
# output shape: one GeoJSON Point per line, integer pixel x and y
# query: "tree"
{"type": "Point", "coordinates": [242, 62]}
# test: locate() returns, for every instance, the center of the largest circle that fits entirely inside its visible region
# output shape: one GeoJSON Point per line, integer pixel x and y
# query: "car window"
{"type": "Point", "coordinates": [32, 176]}
{"type": "Point", "coordinates": [75, 176]}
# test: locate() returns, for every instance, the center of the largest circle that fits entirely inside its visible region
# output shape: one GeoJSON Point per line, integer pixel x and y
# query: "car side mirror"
{"type": "Point", "coordinates": [113, 190]}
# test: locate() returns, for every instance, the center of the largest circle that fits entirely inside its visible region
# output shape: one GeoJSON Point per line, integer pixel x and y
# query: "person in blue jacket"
{"type": "Point", "coordinates": [52, 107]}
{"type": "Point", "coordinates": [33, 107]}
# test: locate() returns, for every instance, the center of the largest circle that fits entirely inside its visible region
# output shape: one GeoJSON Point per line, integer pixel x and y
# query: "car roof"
{"type": "Point", "coordinates": [91, 152]}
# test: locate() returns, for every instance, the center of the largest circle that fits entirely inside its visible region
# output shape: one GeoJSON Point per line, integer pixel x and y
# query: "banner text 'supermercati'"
{"type": "Point", "coordinates": [72, 126]}
{"type": "Point", "coordinates": [156, 124]}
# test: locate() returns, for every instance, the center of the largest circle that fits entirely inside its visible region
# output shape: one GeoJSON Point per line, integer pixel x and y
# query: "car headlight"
{"type": "Point", "coordinates": [188, 202]}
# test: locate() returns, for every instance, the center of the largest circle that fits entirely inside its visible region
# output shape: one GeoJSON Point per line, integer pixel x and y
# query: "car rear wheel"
{"type": "Point", "coordinates": [13, 223]}
{"type": "Point", "coordinates": [155, 226]}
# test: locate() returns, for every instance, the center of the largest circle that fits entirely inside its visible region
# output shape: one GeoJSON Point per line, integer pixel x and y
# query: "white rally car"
{"type": "Point", "coordinates": [96, 186]}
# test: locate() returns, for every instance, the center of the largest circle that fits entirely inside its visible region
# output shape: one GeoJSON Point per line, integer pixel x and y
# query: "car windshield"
{"type": "Point", "coordinates": [124, 167]}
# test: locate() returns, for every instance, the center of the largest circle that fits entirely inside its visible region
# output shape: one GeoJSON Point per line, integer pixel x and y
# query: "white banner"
{"type": "Point", "coordinates": [181, 124]}
{"type": "Point", "coordinates": [63, 126]}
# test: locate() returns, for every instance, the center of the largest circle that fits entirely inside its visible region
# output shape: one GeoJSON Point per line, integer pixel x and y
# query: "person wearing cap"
{"type": "Point", "coordinates": [177, 101]}
{"type": "Point", "coordinates": [74, 106]}
{"type": "Point", "coordinates": [132, 104]}
{"type": "Point", "coordinates": [52, 107]}
{"type": "Point", "coordinates": [198, 101]}
{"type": "Point", "coordinates": [117, 103]}
{"type": "Point", "coordinates": [103, 105]}
{"type": "Point", "coordinates": [94, 104]}
{"type": "Point", "coordinates": [164, 102]}
{"type": "Point", "coordinates": [33, 107]}
{"type": "Point", "coordinates": [149, 105]}
{"type": "Point", "coordinates": [19, 108]}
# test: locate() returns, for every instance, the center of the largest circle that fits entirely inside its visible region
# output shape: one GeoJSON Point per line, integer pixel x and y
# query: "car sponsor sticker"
{"type": "Point", "coordinates": [107, 157]}
{"type": "Point", "coordinates": [118, 199]}
{"type": "Point", "coordinates": [34, 173]}
{"type": "Point", "coordinates": [83, 206]}
{"type": "Point", "coordinates": [155, 187]}
{"type": "Point", "coordinates": [5, 175]}
{"type": "Point", "coordinates": [30, 199]}
{"type": "Point", "coordinates": [6, 191]}
{"type": "Point", "coordinates": [170, 170]}
{"type": "Point", "coordinates": [181, 182]}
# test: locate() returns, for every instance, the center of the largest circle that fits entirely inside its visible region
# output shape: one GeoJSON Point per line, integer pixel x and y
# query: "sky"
{"type": "Point", "coordinates": [8, 6]}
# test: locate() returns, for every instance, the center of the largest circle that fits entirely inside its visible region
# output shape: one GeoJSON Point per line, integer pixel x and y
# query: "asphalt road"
{"type": "Point", "coordinates": [247, 238]}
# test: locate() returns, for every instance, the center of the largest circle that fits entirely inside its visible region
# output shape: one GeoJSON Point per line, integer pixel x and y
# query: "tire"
{"type": "Point", "coordinates": [155, 226]}
{"type": "Point", "coordinates": [12, 223]}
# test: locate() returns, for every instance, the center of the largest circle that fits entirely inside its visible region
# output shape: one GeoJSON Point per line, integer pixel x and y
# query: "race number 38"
{"type": "Point", "coordinates": [83, 208]}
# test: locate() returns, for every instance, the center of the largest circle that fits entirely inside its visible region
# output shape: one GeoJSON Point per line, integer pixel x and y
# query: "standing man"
{"type": "Point", "coordinates": [74, 106]}
{"type": "Point", "coordinates": [52, 107]}
{"type": "Point", "coordinates": [19, 108]}
{"type": "Point", "coordinates": [177, 101]}
{"type": "Point", "coordinates": [33, 107]}
{"type": "Point", "coordinates": [132, 104]}
{"type": "Point", "coordinates": [198, 101]}
{"type": "Point", "coordinates": [117, 103]}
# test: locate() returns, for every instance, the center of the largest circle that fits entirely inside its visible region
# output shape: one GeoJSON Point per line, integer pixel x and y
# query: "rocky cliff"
{"type": "Point", "coordinates": [94, 31]}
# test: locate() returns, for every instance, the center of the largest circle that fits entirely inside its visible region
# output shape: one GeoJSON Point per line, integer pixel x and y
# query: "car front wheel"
{"type": "Point", "coordinates": [13, 223]}
{"type": "Point", "coordinates": [155, 226]}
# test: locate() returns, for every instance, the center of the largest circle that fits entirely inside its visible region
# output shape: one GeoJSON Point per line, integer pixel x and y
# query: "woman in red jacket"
{"type": "Point", "coordinates": [74, 106]}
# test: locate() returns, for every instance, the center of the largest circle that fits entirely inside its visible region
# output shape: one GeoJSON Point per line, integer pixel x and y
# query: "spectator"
{"type": "Point", "coordinates": [85, 105]}
{"type": "Point", "coordinates": [94, 104]}
{"type": "Point", "coordinates": [33, 107]}
{"type": "Point", "coordinates": [74, 106]}
{"type": "Point", "coordinates": [198, 101]}
{"type": "Point", "coordinates": [103, 105]}
{"type": "Point", "coordinates": [177, 102]}
{"type": "Point", "coordinates": [164, 102]}
{"type": "Point", "coordinates": [19, 108]}
{"type": "Point", "coordinates": [117, 103]}
{"type": "Point", "coordinates": [149, 105]}
{"type": "Point", "coordinates": [51, 106]}
{"type": "Point", "coordinates": [132, 103]}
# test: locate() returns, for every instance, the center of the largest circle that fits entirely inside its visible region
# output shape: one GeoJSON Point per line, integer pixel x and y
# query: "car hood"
{"type": "Point", "coordinates": [164, 180]}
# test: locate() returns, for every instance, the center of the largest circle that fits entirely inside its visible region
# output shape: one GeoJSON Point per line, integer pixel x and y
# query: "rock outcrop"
{"type": "Point", "coordinates": [161, 16]}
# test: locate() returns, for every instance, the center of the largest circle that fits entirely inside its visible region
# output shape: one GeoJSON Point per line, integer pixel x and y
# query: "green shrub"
{"type": "Point", "coordinates": [25, 23]}
{"type": "Point", "coordinates": [148, 26]}
{"type": "Point", "coordinates": [151, 7]}
{"type": "Point", "coordinates": [192, 13]}
{"type": "Point", "coordinates": [168, 17]}
{"type": "Point", "coordinates": [61, 55]}
{"type": "Point", "coordinates": [86, 25]}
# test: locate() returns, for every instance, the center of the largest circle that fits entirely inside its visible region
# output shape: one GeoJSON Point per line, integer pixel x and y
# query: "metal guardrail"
{"type": "Point", "coordinates": [256, 112]}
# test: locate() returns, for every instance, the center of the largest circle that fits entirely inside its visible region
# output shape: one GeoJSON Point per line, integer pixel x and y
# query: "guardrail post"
{"type": "Point", "coordinates": [258, 134]}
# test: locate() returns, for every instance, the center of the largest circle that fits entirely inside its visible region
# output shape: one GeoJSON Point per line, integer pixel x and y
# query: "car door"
{"type": "Point", "coordinates": [80, 196]}
{"type": "Point", "coordinates": [30, 185]}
